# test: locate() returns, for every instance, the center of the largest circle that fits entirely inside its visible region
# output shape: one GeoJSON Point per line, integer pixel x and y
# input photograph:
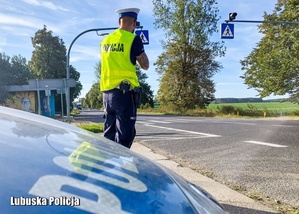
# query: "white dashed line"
{"type": "Point", "coordinates": [186, 131]}
{"type": "Point", "coordinates": [266, 144]}
{"type": "Point", "coordinates": [158, 121]}
{"type": "Point", "coordinates": [287, 126]}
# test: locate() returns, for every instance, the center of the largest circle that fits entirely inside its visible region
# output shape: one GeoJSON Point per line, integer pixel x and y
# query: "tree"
{"type": "Point", "coordinates": [48, 58]}
{"type": "Point", "coordinates": [20, 72]}
{"type": "Point", "coordinates": [48, 61]}
{"type": "Point", "coordinates": [94, 98]}
{"type": "Point", "coordinates": [187, 65]}
{"type": "Point", "coordinates": [5, 68]}
{"type": "Point", "coordinates": [75, 91]}
{"type": "Point", "coordinates": [147, 96]}
{"type": "Point", "coordinates": [14, 71]}
{"type": "Point", "coordinates": [273, 66]}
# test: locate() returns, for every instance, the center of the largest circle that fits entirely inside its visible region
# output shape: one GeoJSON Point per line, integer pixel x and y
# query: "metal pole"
{"type": "Point", "coordinates": [38, 97]}
{"type": "Point", "coordinates": [67, 92]}
{"type": "Point", "coordinates": [61, 98]}
{"type": "Point", "coordinates": [270, 22]}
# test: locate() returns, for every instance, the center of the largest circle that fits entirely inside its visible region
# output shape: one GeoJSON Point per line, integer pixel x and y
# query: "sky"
{"type": "Point", "coordinates": [21, 19]}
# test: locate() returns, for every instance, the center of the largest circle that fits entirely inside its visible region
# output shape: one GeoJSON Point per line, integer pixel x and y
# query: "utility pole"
{"type": "Point", "coordinates": [67, 89]}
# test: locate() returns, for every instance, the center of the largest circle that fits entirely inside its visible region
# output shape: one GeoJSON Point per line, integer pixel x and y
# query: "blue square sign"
{"type": "Point", "coordinates": [227, 31]}
{"type": "Point", "coordinates": [143, 34]}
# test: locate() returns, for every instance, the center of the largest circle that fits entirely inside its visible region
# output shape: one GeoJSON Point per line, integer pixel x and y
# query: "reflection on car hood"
{"type": "Point", "coordinates": [50, 166]}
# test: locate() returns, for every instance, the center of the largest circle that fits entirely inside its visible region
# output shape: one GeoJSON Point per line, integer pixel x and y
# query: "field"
{"type": "Point", "coordinates": [264, 108]}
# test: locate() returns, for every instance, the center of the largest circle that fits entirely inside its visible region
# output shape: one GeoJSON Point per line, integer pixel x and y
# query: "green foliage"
{"type": "Point", "coordinates": [20, 72]}
{"type": "Point", "coordinates": [14, 71]}
{"type": "Point", "coordinates": [74, 74]}
{"type": "Point", "coordinates": [227, 109]}
{"type": "Point", "coordinates": [145, 106]}
{"type": "Point", "coordinates": [147, 96]}
{"type": "Point", "coordinates": [273, 66]}
{"type": "Point", "coordinates": [261, 109]}
{"type": "Point", "coordinates": [5, 69]}
{"type": "Point", "coordinates": [75, 111]}
{"type": "Point", "coordinates": [48, 61]}
{"type": "Point", "coordinates": [187, 64]}
{"type": "Point", "coordinates": [94, 97]}
{"type": "Point", "coordinates": [92, 127]}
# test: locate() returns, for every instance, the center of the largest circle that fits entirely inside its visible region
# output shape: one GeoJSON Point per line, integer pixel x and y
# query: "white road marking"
{"type": "Point", "coordinates": [266, 144]}
{"type": "Point", "coordinates": [181, 130]}
{"type": "Point", "coordinates": [141, 122]}
{"type": "Point", "coordinates": [184, 120]}
{"type": "Point", "coordinates": [151, 138]}
{"type": "Point", "coordinates": [283, 125]}
{"type": "Point", "coordinates": [157, 121]}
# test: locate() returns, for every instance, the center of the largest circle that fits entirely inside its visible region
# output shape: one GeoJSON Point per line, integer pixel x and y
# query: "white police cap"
{"type": "Point", "coordinates": [131, 12]}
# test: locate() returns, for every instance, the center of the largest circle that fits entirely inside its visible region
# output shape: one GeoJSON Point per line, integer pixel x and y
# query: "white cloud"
{"type": "Point", "coordinates": [81, 53]}
{"type": "Point", "coordinates": [16, 20]}
{"type": "Point", "coordinates": [46, 4]}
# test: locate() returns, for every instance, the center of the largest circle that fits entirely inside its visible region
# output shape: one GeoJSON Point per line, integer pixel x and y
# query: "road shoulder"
{"type": "Point", "coordinates": [232, 201]}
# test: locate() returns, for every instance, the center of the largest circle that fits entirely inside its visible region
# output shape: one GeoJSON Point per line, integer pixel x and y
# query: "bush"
{"type": "Point", "coordinates": [145, 106]}
{"type": "Point", "coordinates": [295, 113]}
{"type": "Point", "coordinates": [226, 109]}
{"type": "Point", "coordinates": [253, 111]}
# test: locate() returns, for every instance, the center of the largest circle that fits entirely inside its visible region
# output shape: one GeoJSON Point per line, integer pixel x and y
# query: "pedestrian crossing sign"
{"type": "Point", "coordinates": [227, 31]}
{"type": "Point", "coordinates": [143, 34]}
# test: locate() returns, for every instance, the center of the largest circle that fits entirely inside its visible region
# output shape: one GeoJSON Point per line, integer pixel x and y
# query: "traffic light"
{"type": "Point", "coordinates": [232, 16]}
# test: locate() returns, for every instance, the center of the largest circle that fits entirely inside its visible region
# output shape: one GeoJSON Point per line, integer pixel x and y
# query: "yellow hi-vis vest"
{"type": "Point", "coordinates": [116, 63]}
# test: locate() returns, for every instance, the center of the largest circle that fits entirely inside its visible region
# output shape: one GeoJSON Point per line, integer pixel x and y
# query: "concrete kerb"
{"type": "Point", "coordinates": [222, 193]}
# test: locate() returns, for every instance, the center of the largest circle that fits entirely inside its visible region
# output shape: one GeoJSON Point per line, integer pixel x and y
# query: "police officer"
{"type": "Point", "coordinates": [120, 51]}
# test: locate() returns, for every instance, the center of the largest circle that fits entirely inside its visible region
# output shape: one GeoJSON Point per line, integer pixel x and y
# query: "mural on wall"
{"type": "Point", "coordinates": [25, 100]}
{"type": "Point", "coordinates": [47, 103]}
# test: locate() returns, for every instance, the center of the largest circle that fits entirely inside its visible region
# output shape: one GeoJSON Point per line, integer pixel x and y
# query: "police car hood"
{"type": "Point", "coordinates": [50, 166]}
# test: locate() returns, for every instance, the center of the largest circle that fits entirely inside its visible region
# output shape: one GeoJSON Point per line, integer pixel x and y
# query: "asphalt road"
{"type": "Point", "coordinates": [260, 156]}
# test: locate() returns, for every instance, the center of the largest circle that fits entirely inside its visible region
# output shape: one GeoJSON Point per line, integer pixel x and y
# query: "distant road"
{"type": "Point", "coordinates": [259, 155]}
{"type": "Point", "coordinates": [94, 116]}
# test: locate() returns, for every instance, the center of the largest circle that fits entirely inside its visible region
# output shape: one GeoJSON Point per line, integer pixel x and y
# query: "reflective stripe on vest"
{"type": "Point", "coordinates": [116, 63]}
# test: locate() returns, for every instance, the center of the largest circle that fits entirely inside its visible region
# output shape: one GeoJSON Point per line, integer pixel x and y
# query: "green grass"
{"type": "Point", "coordinates": [257, 109]}
{"type": "Point", "coordinates": [92, 127]}
{"type": "Point", "coordinates": [271, 106]}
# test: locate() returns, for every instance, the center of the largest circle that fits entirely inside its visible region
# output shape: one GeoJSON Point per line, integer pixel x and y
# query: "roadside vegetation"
{"type": "Point", "coordinates": [260, 109]}
{"type": "Point", "coordinates": [244, 110]}
{"type": "Point", "coordinates": [92, 127]}
{"type": "Point", "coordinates": [256, 110]}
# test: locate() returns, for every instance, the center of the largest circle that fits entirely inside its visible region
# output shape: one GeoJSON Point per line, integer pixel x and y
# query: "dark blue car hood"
{"type": "Point", "coordinates": [48, 167]}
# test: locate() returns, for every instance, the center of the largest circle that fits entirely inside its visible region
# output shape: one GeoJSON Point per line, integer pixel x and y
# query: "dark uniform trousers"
{"type": "Point", "coordinates": [120, 116]}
